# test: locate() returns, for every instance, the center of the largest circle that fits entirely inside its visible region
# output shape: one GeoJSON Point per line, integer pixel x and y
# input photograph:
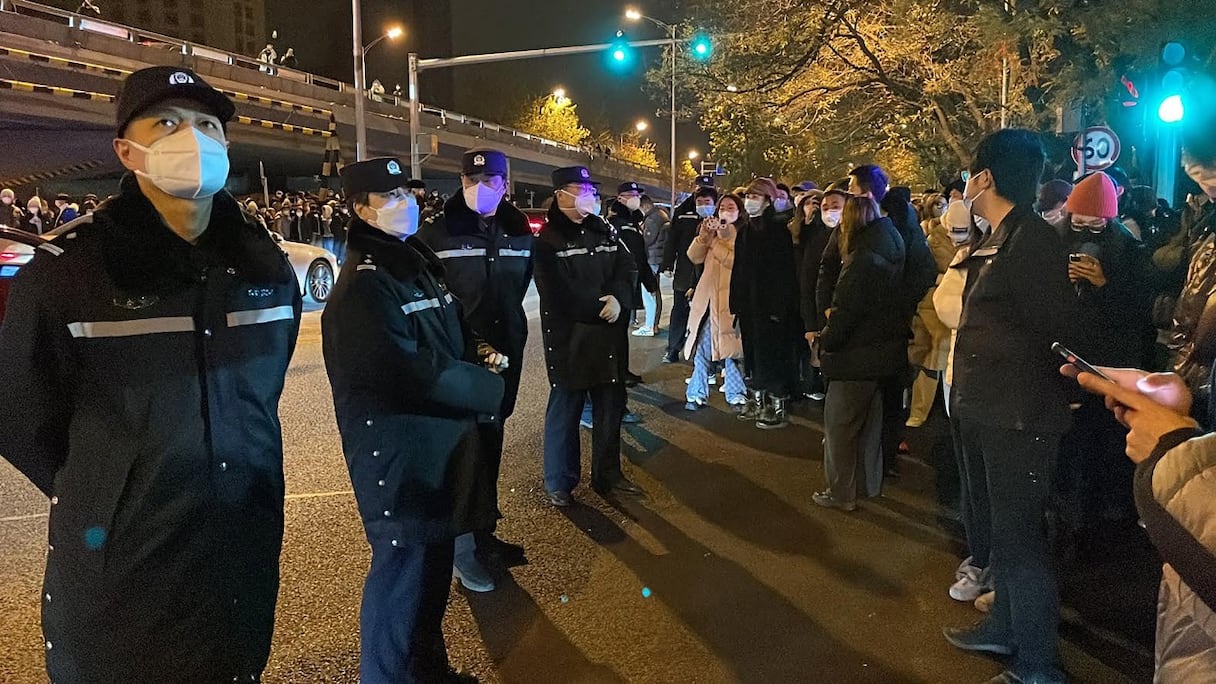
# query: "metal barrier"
{"type": "Point", "coordinates": [149, 38]}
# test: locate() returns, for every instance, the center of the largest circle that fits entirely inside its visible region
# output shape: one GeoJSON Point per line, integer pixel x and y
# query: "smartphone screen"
{"type": "Point", "coordinates": [1077, 361]}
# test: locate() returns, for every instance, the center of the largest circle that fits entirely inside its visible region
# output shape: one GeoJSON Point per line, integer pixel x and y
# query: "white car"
{"type": "Point", "coordinates": [16, 250]}
{"type": "Point", "coordinates": [316, 269]}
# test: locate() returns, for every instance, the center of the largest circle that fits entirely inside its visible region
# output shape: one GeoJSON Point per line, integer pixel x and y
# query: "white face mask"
{"type": "Point", "coordinates": [969, 202]}
{"type": "Point", "coordinates": [398, 218]}
{"type": "Point", "coordinates": [705, 210]}
{"type": "Point", "coordinates": [1053, 216]}
{"type": "Point", "coordinates": [585, 204]}
{"type": "Point", "coordinates": [633, 203]}
{"type": "Point", "coordinates": [187, 164]}
{"type": "Point", "coordinates": [959, 237]}
{"type": "Point", "coordinates": [729, 216]}
{"type": "Point", "coordinates": [482, 199]}
{"type": "Point", "coordinates": [831, 217]}
{"type": "Point", "coordinates": [753, 207]}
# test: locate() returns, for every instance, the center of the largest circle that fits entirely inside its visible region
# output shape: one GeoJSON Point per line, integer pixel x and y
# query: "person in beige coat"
{"type": "Point", "coordinates": [712, 333]}
{"type": "Point", "coordinates": [931, 339]}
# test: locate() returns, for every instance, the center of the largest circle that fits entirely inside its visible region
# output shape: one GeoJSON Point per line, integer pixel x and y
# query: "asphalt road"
{"type": "Point", "coordinates": [725, 572]}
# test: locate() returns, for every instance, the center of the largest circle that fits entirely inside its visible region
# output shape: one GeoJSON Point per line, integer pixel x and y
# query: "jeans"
{"type": "Point", "coordinates": [852, 421]}
{"type": "Point", "coordinates": [1016, 473]}
{"type": "Point", "coordinates": [562, 447]}
{"type": "Point", "coordinates": [677, 327]}
{"type": "Point", "coordinates": [401, 619]}
{"type": "Point", "coordinates": [698, 386]}
{"type": "Point", "coordinates": [653, 301]}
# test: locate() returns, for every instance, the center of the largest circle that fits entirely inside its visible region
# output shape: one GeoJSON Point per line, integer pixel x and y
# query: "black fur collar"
{"type": "Point", "coordinates": [459, 219]}
{"type": "Point", "coordinates": [405, 259]}
{"type": "Point", "coordinates": [141, 252]}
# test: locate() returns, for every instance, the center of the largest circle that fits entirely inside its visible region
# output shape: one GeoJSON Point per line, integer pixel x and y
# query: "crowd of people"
{"type": "Point", "coordinates": [989, 298]}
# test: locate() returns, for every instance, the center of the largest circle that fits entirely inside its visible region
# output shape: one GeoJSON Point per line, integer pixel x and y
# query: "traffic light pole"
{"type": "Point", "coordinates": [417, 65]}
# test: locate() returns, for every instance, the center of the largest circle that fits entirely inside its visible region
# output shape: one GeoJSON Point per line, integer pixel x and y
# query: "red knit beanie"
{"type": "Point", "coordinates": [1094, 196]}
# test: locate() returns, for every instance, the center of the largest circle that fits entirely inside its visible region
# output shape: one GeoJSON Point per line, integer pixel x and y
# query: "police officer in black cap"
{"type": "Point", "coordinates": [685, 223]}
{"type": "Point", "coordinates": [585, 278]}
{"type": "Point", "coordinates": [626, 216]}
{"type": "Point", "coordinates": [147, 350]}
{"type": "Point", "coordinates": [486, 247]}
{"type": "Point", "coordinates": [409, 390]}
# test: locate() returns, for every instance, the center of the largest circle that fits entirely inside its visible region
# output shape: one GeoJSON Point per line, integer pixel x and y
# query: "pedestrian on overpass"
{"type": "Point", "coordinates": [148, 348]}
{"type": "Point", "coordinates": [485, 244]}
{"type": "Point", "coordinates": [585, 279]}
{"type": "Point", "coordinates": [410, 388]}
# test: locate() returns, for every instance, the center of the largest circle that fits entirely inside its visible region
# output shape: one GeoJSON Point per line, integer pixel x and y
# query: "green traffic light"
{"type": "Point", "coordinates": [1171, 109]}
{"type": "Point", "coordinates": [618, 54]}
{"type": "Point", "coordinates": [702, 48]}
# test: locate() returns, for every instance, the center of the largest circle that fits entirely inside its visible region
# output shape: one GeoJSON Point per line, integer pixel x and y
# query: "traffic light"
{"type": "Point", "coordinates": [702, 47]}
{"type": "Point", "coordinates": [620, 53]}
{"type": "Point", "coordinates": [1171, 109]}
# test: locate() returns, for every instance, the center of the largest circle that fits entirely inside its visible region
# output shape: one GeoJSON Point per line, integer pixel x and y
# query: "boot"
{"type": "Point", "coordinates": [755, 403]}
{"type": "Point", "coordinates": [772, 417]}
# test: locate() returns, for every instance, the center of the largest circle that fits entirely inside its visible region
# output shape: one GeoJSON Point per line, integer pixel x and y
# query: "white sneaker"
{"type": "Point", "coordinates": [644, 332]}
{"type": "Point", "coordinates": [973, 584]}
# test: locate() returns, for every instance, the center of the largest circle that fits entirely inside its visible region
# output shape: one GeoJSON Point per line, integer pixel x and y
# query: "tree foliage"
{"type": "Point", "coordinates": [552, 117]}
{"type": "Point", "coordinates": [799, 89]}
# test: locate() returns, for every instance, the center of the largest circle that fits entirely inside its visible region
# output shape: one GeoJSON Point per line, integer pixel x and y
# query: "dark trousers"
{"type": "Point", "coordinates": [894, 417]}
{"type": "Point", "coordinates": [973, 497]}
{"type": "Point", "coordinates": [491, 449]}
{"type": "Point", "coordinates": [852, 421]}
{"type": "Point", "coordinates": [1017, 466]}
{"type": "Point", "coordinates": [677, 327]}
{"type": "Point", "coordinates": [562, 447]}
{"type": "Point", "coordinates": [401, 621]}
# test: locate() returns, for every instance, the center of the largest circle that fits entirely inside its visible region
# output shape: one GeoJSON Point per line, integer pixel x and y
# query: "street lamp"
{"type": "Point", "coordinates": [693, 154]}
{"type": "Point", "coordinates": [559, 97]}
{"type": "Point", "coordinates": [641, 126]}
{"type": "Point", "coordinates": [359, 52]}
{"type": "Point", "coordinates": [634, 15]}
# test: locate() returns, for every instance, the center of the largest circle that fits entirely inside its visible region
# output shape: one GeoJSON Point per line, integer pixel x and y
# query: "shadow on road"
{"type": "Point", "coordinates": [525, 645]}
{"type": "Point", "coordinates": [719, 600]}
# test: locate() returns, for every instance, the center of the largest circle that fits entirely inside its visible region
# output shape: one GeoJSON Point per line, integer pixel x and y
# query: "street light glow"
{"type": "Point", "coordinates": [1171, 110]}
{"type": "Point", "coordinates": [395, 32]}
{"type": "Point", "coordinates": [632, 15]}
{"type": "Point", "coordinates": [693, 154]}
{"type": "Point", "coordinates": [732, 88]}
{"type": "Point", "coordinates": [641, 126]}
{"type": "Point", "coordinates": [559, 93]}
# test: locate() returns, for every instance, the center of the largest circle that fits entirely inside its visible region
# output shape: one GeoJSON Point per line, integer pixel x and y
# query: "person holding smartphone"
{"type": "Point", "coordinates": [712, 333]}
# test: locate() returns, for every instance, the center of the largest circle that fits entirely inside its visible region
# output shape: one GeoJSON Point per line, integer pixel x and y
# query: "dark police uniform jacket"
{"type": "Point", "coordinates": [145, 382]}
{"type": "Point", "coordinates": [408, 393]}
{"type": "Point", "coordinates": [488, 265]}
{"type": "Point", "coordinates": [629, 228]}
{"type": "Point", "coordinates": [576, 264]}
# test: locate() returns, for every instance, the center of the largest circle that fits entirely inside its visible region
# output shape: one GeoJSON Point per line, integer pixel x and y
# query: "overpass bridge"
{"type": "Point", "coordinates": [60, 72]}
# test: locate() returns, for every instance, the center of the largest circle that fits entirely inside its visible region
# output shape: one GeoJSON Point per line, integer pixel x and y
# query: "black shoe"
{"type": "Point", "coordinates": [671, 357]}
{"type": "Point", "coordinates": [631, 418]}
{"type": "Point", "coordinates": [632, 379]}
{"type": "Point", "coordinates": [560, 499]}
{"type": "Point", "coordinates": [979, 638]}
{"type": "Point", "coordinates": [621, 486]}
{"type": "Point", "coordinates": [499, 551]}
{"type": "Point", "coordinates": [1049, 676]}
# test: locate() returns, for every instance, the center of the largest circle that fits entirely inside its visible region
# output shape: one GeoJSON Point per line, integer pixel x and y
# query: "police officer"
{"type": "Point", "coordinates": [486, 247]}
{"type": "Point", "coordinates": [685, 223]}
{"type": "Point", "coordinates": [585, 279]}
{"type": "Point", "coordinates": [147, 349]}
{"type": "Point", "coordinates": [409, 390]}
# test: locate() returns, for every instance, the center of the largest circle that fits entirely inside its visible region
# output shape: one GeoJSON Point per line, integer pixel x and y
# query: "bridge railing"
{"type": "Point", "coordinates": [149, 38]}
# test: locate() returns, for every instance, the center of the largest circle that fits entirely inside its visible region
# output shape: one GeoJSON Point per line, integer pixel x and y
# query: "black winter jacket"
{"type": "Point", "coordinates": [812, 241]}
{"type": "Point", "coordinates": [628, 225]}
{"type": "Point", "coordinates": [764, 280]}
{"type": "Point", "coordinates": [145, 381]}
{"type": "Point", "coordinates": [576, 265]}
{"type": "Point", "coordinates": [865, 337]}
{"type": "Point", "coordinates": [685, 224]}
{"type": "Point", "coordinates": [408, 392]}
{"type": "Point", "coordinates": [488, 265]}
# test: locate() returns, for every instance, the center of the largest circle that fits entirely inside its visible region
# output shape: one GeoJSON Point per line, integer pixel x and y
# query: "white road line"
{"type": "Point", "coordinates": [289, 497]}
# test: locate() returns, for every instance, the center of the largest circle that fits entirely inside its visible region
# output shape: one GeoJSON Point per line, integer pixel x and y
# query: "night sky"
{"type": "Point", "coordinates": [605, 96]}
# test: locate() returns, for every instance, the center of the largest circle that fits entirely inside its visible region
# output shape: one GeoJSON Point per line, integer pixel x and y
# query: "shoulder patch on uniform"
{"type": "Point", "coordinates": [365, 267]}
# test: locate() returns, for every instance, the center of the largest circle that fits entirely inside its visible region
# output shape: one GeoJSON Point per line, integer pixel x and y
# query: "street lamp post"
{"type": "Point", "coordinates": [634, 15]}
{"type": "Point", "coordinates": [359, 51]}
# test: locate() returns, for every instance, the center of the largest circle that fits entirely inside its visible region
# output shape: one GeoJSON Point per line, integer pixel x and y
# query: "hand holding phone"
{"type": "Point", "coordinates": [1079, 362]}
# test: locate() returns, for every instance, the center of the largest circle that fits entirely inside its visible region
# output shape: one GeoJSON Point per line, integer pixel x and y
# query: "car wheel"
{"type": "Point", "coordinates": [320, 281]}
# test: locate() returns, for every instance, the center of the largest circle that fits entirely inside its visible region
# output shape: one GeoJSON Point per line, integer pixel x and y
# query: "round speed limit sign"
{"type": "Point", "coordinates": [1096, 149]}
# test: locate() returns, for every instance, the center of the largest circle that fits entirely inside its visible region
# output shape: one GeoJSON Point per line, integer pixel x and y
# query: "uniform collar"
{"type": "Point", "coordinates": [405, 259]}
{"type": "Point", "coordinates": [141, 251]}
{"type": "Point", "coordinates": [459, 219]}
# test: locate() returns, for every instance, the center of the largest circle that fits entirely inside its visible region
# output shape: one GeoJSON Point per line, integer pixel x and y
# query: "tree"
{"type": "Point", "coordinates": [639, 153]}
{"type": "Point", "coordinates": [798, 89]}
{"type": "Point", "coordinates": [552, 117]}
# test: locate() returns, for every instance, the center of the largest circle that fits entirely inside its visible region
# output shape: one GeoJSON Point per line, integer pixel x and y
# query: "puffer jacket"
{"type": "Point", "coordinates": [711, 302]}
{"type": "Point", "coordinates": [1175, 494]}
{"type": "Point", "coordinates": [654, 230]}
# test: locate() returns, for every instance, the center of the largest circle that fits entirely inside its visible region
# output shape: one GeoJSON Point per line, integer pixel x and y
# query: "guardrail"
{"type": "Point", "coordinates": [150, 38]}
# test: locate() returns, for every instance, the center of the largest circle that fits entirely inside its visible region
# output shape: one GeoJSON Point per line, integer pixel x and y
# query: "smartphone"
{"type": "Point", "coordinates": [1078, 361]}
{"type": "Point", "coordinates": [1076, 258]}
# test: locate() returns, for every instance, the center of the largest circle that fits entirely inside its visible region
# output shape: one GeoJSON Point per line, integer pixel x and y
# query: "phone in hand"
{"type": "Point", "coordinates": [1077, 361]}
{"type": "Point", "coordinates": [1076, 258]}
